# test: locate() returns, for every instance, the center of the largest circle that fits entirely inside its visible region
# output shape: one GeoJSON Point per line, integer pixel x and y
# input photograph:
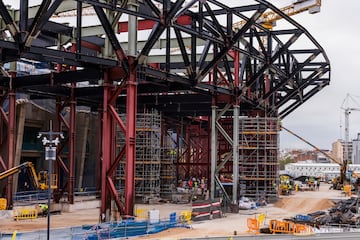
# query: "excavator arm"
{"type": "Point", "coordinates": [25, 165]}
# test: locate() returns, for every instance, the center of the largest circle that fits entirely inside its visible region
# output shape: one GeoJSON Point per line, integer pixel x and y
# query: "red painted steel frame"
{"type": "Point", "coordinates": [109, 161]}
{"type": "Point", "coordinates": [131, 106]}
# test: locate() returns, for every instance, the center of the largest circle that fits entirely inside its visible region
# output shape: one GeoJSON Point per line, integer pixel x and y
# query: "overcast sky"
{"type": "Point", "coordinates": [321, 120]}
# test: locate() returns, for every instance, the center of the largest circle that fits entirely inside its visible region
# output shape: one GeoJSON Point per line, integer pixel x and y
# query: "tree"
{"type": "Point", "coordinates": [284, 161]}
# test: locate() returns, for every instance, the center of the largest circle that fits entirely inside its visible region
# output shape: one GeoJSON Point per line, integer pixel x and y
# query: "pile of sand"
{"type": "Point", "coordinates": [304, 205]}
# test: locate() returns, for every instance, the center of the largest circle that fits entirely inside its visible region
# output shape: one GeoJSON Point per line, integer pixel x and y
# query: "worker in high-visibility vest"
{"type": "Point", "coordinates": [43, 209]}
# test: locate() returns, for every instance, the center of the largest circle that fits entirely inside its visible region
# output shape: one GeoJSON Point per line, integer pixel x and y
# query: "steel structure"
{"type": "Point", "coordinates": [112, 68]}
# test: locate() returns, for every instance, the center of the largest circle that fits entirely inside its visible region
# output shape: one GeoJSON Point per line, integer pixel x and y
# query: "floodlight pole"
{"type": "Point", "coordinates": [50, 142]}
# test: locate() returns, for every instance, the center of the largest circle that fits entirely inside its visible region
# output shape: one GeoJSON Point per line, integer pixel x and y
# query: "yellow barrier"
{"type": "Point", "coordinates": [3, 203]}
{"type": "Point", "coordinates": [261, 219]}
{"type": "Point", "coordinates": [141, 213]}
{"type": "Point", "coordinates": [25, 213]}
{"type": "Point", "coordinates": [185, 216]}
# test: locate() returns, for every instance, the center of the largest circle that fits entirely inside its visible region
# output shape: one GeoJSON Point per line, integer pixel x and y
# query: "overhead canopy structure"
{"type": "Point", "coordinates": [188, 48]}
{"type": "Point", "coordinates": [182, 58]}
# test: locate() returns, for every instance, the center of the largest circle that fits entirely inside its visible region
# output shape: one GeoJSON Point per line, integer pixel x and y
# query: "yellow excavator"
{"type": "Point", "coordinates": [39, 181]}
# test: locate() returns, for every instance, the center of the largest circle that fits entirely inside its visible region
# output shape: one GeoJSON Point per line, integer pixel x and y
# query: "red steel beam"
{"type": "Point", "coordinates": [149, 24]}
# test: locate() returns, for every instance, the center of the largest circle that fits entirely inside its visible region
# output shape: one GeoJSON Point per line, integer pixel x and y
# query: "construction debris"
{"type": "Point", "coordinates": [344, 212]}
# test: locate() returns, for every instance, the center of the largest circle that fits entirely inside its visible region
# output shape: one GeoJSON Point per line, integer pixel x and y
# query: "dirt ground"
{"type": "Point", "coordinates": [229, 225]}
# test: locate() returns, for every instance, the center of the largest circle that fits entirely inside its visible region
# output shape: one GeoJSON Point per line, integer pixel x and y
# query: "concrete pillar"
{"type": "Point", "coordinates": [83, 142]}
{"type": "Point", "coordinates": [19, 140]}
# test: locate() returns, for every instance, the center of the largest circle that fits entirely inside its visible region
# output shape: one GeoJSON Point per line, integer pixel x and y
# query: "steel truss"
{"type": "Point", "coordinates": [191, 51]}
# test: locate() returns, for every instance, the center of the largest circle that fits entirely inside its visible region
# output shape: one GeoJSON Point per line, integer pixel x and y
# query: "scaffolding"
{"type": "Point", "coordinates": [168, 171]}
{"type": "Point", "coordinates": [258, 157]}
{"type": "Point", "coordinates": [154, 173]}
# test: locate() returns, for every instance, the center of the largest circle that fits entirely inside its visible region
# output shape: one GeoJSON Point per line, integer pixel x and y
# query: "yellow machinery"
{"type": "Point", "coordinates": [285, 186]}
{"type": "Point", "coordinates": [40, 181]}
{"type": "Point", "coordinates": [269, 18]}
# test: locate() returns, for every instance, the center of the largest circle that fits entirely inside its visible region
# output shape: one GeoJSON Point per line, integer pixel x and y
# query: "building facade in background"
{"type": "Point", "coordinates": [356, 150]}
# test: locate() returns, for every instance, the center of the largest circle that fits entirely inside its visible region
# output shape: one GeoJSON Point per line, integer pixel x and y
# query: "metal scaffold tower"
{"type": "Point", "coordinates": [148, 155]}
{"type": "Point", "coordinates": [168, 171]}
{"type": "Point", "coordinates": [258, 155]}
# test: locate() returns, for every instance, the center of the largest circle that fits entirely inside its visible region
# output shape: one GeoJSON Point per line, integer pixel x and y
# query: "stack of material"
{"type": "Point", "coordinates": [206, 209]}
{"type": "Point", "coordinates": [344, 212]}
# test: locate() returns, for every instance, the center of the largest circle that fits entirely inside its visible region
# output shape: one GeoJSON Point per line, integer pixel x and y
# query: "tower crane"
{"type": "Point", "coordinates": [269, 18]}
{"type": "Point", "coordinates": [347, 111]}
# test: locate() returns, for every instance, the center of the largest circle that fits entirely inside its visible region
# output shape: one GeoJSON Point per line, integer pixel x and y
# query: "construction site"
{"type": "Point", "coordinates": [111, 110]}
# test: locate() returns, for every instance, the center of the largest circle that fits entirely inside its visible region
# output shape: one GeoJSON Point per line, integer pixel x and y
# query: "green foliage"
{"type": "Point", "coordinates": [284, 161]}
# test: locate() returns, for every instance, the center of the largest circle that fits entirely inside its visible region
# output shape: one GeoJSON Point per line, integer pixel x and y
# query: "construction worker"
{"type": "Point", "coordinates": [43, 209]}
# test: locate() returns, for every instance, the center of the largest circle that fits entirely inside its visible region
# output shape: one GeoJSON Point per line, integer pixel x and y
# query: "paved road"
{"type": "Point", "coordinates": [342, 235]}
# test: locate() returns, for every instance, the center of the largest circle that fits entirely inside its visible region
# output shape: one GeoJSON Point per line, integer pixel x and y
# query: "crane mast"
{"type": "Point", "coordinates": [347, 111]}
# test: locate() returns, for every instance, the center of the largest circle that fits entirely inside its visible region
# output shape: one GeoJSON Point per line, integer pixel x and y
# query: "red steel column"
{"type": "Point", "coordinates": [105, 160]}
{"type": "Point", "coordinates": [131, 105]}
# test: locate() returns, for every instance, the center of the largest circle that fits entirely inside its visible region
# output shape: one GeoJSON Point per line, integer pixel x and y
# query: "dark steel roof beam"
{"type": "Point", "coordinates": [296, 104]}
{"type": "Point", "coordinates": [272, 60]}
{"type": "Point", "coordinates": [153, 8]}
{"type": "Point", "coordinates": [23, 23]}
{"type": "Point", "coordinates": [158, 29]}
{"type": "Point", "coordinates": [299, 68]}
{"type": "Point", "coordinates": [50, 55]}
{"type": "Point", "coordinates": [232, 41]}
{"type": "Point", "coordinates": [215, 21]}
{"type": "Point", "coordinates": [112, 38]}
{"type": "Point", "coordinates": [42, 17]}
{"type": "Point", "coordinates": [228, 70]}
{"type": "Point", "coordinates": [309, 81]}
{"type": "Point", "coordinates": [10, 23]}
{"type": "Point", "coordinates": [56, 78]}
{"type": "Point", "coordinates": [188, 66]}
{"type": "Point", "coordinates": [163, 75]}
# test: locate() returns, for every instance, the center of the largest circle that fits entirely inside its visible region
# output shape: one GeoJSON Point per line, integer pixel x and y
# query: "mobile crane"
{"type": "Point", "coordinates": [341, 181]}
{"type": "Point", "coordinates": [39, 181]}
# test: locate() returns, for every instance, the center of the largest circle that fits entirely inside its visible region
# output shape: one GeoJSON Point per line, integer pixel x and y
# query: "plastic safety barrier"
{"type": "Point", "coordinates": [3, 203]}
{"type": "Point", "coordinates": [253, 225]}
{"type": "Point", "coordinates": [25, 213]}
{"type": "Point", "coordinates": [281, 227]}
{"type": "Point", "coordinates": [302, 229]}
{"type": "Point", "coordinates": [185, 216]}
{"type": "Point", "coordinates": [347, 190]}
{"type": "Point", "coordinates": [290, 228]}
